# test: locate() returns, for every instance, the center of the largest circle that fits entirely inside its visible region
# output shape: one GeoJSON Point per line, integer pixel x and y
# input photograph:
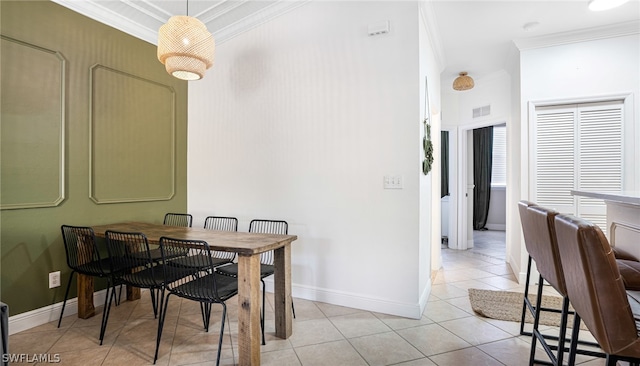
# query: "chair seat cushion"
{"type": "Point", "coordinates": [623, 254]}
{"type": "Point", "coordinates": [630, 272]}
{"type": "Point", "coordinates": [202, 288]}
{"type": "Point", "coordinates": [266, 270]}
{"type": "Point", "coordinates": [102, 267]}
{"type": "Point", "coordinates": [154, 277]}
{"type": "Point", "coordinates": [198, 261]}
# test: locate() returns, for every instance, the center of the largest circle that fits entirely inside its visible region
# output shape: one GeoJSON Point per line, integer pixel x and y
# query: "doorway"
{"type": "Point", "coordinates": [457, 207]}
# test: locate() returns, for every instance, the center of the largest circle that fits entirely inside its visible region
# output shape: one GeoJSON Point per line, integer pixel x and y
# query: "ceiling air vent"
{"type": "Point", "coordinates": [481, 111]}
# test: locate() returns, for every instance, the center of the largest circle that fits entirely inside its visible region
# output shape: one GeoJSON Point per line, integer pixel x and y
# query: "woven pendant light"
{"type": "Point", "coordinates": [463, 82]}
{"type": "Point", "coordinates": [185, 47]}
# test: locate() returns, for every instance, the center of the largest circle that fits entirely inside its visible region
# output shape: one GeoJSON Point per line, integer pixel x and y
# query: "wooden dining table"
{"type": "Point", "coordinates": [248, 246]}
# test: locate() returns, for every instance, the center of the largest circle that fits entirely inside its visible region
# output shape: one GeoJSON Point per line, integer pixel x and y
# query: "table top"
{"type": "Point", "coordinates": [229, 241]}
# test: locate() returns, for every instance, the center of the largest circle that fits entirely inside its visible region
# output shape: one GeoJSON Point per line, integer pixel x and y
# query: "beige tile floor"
{"type": "Point", "coordinates": [448, 333]}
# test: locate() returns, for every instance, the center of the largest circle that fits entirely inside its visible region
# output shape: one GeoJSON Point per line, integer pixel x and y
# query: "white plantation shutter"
{"type": "Point", "coordinates": [600, 158]}
{"type": "Point", "coordinates": [554, 158]}
{"type": "Point", "coordinates": [578, 147]}
{"type": "Point", "coordinates": [499, 164]}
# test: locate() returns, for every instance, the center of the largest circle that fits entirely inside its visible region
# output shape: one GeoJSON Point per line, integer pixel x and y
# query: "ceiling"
{"type": "Point", "coordinates": [476, 36]}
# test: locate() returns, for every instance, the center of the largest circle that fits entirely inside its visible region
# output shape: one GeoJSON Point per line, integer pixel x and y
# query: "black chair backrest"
{"type": "Point", "coordinates": [131, 250]}
{"type": "Point", "coordinates": [265, 226]}
{"type": "Point", "coordinates": [199, 257]}
{"type": "Point", "coordinates": [221, 223]}
{"type": "Point", "coordinates": [224, 224]}
{"type": "Point", "coordinates": [83, 254]}
{"type": "Point", "coordinates": [178, 219]}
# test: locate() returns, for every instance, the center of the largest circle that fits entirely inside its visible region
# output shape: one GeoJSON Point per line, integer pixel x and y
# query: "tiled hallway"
{"type": "Point", "coordinates": [447, 334]}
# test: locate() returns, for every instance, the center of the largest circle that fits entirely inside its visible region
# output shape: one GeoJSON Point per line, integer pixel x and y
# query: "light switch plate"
{"type": "Point", "coordinates": [392, 182]}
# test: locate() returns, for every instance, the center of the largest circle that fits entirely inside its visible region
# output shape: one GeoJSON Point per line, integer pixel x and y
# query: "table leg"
{"type": "Point", "coordinates": [282, 291]}
{"type": "Point", "coordinates": [249, 302]}
{"type": "Point", "coordinates": [133, 293]}
{"type": "Point", "coordinates": [85, 297]}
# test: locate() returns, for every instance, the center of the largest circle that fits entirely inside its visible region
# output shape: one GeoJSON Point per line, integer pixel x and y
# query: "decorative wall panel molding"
{"type": "Point", "coordinates": [132, 138]}
{"type": "Point", "coordinates": [32, 132]}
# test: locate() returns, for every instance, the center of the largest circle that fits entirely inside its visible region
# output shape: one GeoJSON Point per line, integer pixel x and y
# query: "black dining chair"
{"type": "Point", "coordinates": [267, 269]}
{"type": "Point", "coordinates": [171, 219]}
{"type": "Point", "coordinates": [203, 286]}
{"type": "Point", "coordinates": [178, 219]}
{"type": "Point", "coordinates": [84, 257]}
{"type": "Point", "coordinates": [218, 258]}
{"type": "Point", "coordinates": [131, 250]}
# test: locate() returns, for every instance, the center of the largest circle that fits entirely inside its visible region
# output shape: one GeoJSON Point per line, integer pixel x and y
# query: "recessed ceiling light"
{"type": "Point", "coordinates": [597, 5]}
{"type": "Point", "coordinates": [530, 26]}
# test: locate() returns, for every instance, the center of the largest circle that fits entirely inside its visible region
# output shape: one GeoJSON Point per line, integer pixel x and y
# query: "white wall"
{"type": "Point", "coordinates": [430, 210]}
{"type": "Point", "coordinates": [496, 218]}
{"type": "Point", "coordinates": [300, 119]}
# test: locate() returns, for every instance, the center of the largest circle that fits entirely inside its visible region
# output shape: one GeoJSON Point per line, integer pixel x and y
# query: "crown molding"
{"type": "Point", "coordinates": [581, 35]}
{"type": "Point", "coordinates": [95, 11]}
{"type": "Point", "coordinates": [258, 18]}
{"type": "Point", "coordinates": [154, 15]}
{"type": "Point", "coordinates": [428, 17]}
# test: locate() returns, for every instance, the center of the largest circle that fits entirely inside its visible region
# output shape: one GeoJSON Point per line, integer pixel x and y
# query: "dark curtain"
{"type": "Point", "coordinates": [444, 154]}
{"type": "Point", "coordinates": [482, 158]}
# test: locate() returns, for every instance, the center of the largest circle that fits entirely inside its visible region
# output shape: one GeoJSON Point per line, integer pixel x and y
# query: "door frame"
{"type": "Point", "coordinates": [464, 232]}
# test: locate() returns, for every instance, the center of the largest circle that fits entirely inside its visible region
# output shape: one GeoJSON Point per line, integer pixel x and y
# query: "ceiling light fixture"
{"type": "Point", "coordinates": [463, 82]}
{"type": "Point", "coordinates": [185, 47]}
{"type": "Point", "coordinates": [598, 5]}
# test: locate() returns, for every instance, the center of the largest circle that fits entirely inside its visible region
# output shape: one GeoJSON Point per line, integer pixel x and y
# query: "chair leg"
{"type": "Point", "coordinates": [262, 315]}
{"type": "Point", "coordinates": [66, 295]}
{"type": "Point", "coordinates": [154, 303]}
{"type": "Point", "coordinates": [207, 315]}
{"type": "Point", "coordinates": [203, 312]}
{"type": "Point", "coordinates": [536, 321]}
{"type": "Point", "coordinates": [573, 349]}
{"type": "Point", "coordinates": [224, 314]}
{"type": "Point", "coordinates": [105, 311]}
{"type": "Point", "coordinates": [163, 313]}
{"type": "Point", "coordinates": [563, 330]}
{"type": "Point", "coordinates": [525, 301]}
{"type": "Point", "coordinates": [293, 310]}
{"type": "Point", "coordinates": [119, 297]}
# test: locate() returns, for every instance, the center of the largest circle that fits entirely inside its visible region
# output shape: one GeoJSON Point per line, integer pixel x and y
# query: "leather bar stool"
{"type": "Point", "coordinates": [541, 244]}
{"type": "Point", "coordinates": [628, 264]}
{"type": "Point", "coordinates": [596, 290]}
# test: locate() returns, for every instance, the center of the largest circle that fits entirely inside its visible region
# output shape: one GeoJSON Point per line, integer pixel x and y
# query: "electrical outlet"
{"type": "Point", "coordinates": [54, 279]}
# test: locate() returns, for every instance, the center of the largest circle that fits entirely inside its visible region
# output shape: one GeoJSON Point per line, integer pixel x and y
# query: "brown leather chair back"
{"type": "Point", "coordinates": [540, 240]}
{"type": "Point", "coordinates": [594, 285]}
{"type": "Point", "coordinates": [522, 208]}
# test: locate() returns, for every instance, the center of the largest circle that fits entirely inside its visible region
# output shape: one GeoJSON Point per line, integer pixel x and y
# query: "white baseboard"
{"type": "Point", "coordinates": [34, 318]}
{"type": "Point", "coordinates": [358, 301]}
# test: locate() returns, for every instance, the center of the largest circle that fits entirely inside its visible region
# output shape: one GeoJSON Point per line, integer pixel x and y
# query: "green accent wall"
{"type": "Point", "coordinates": [92, 130]}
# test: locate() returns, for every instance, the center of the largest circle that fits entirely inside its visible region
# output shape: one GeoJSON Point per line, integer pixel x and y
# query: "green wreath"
{"type": "Point", "coordinates": [428, 149]}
